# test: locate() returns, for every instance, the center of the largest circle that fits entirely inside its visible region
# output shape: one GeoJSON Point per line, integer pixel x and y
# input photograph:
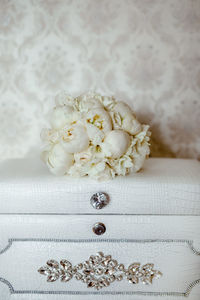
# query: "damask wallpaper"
{"type": "Point", "coordinates": [145, 52]}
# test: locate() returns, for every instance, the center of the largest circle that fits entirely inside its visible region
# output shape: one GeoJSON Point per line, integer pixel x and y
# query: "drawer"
{"type": "Point", "coordinates": [170, 243]}
{"type": "Point", "coordinates": [165, 186]}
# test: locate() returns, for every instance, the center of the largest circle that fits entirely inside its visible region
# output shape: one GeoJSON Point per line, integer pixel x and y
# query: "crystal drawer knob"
{"type": "Point", "coordinates": [99, 200]}
{"type": "Point", "coordinates": [99, 228]}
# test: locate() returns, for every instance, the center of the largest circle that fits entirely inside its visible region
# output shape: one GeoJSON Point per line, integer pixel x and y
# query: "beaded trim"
{"type": "Point", "coordinates": [188, 242]}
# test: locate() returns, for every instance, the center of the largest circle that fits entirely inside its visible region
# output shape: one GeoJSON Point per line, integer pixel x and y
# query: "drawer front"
{"type": "Point", "coordinates": [135, 198]}
{"type": "Point", "coordinates": [170, 243]}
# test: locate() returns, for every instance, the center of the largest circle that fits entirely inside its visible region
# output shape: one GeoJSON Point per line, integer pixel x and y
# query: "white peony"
{"type": "Point", "coordinates": [100, 118]}
{"type": "Point", "coordinates": [116, 143]}
{"type": "Point", "coordinates": [74, 138]}
{"type": "Point", "coordinates": [61, 115]}
{"type": "Point", "coordinates": [95, 136]}
{"type": "Point", "coordinates": [58, 160]}
{"type": "Point", "coordinates": [88, 101]}
{"type": "Point", "coordinates": [108, 102]}
{"type": "Point", "coordinates": [125, 119]}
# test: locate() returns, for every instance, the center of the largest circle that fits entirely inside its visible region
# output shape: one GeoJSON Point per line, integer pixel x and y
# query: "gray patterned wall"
{"type": "Point", "coordinates": [146, 52]}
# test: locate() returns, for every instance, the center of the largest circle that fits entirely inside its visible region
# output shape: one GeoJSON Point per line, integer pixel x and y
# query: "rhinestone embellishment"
{"type": "Point", "coordinates": [99, 271]}
{"type": "Point", "coordinates": [99, 228]}
{"type": "Point", "coordinates": [99, 200]}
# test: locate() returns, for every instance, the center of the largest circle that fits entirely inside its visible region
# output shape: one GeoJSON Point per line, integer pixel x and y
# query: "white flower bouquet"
{"type": "Point", "coordinates": [96, 136]}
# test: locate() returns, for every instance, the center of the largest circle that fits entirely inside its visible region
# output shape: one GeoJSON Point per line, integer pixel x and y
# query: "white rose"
{"type": "Point", "coordinates": [128, 121]}
{"type": "Point", "coordinates": [116, 143]}
{"type": "Point", "coordinates": [100, 118]}
{"type": "Point", "coordinates": [61, 115]}
{"type": "Point", "coordinates": [58, 160]}
{"type": "Point", "coordinates": [74, 138]}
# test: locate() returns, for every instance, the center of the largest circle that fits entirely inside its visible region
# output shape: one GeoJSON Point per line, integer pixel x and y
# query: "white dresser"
{"type": "Point", "coordinates": [138, 239]}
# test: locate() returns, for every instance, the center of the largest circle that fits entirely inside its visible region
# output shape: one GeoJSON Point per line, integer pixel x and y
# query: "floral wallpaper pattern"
{"type": "Point", "coordinates": [144, 52]}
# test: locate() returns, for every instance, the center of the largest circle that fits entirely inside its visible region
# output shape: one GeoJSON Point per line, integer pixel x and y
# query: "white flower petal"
{"type": "Point", "coordinates": [116, 143]}
{"type": "Point", "coordinates": [58, 160]}
{"type": "Point", "coordinates": [95, 134]}
{"type": "Point", "coordinates": [100, 118]}
{"type": "Point", "coordinates": [88, 101]}
{"type": "Point", "coordinates": [128, 120]}
{"type": "Point", "coordinates": [61, 115]}
{"type": "Point", "coordinates": [108, 102]}
{"type": "Point", "coordinates": [75, 139]}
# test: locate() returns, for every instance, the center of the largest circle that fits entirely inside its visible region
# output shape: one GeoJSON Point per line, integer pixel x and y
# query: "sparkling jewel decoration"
{"type": "Point", "coordinates": [99, 200]}
{"type": "Point", "coordinates": [95, 136]}
{"type": "Point", "coordinates": [99, 271]}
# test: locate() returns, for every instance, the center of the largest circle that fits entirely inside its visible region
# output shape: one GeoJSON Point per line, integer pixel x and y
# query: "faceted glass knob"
{"type": "Point", "coordinates": [99, 228]}
{"type": "Point", "coordinates": [99, 200]}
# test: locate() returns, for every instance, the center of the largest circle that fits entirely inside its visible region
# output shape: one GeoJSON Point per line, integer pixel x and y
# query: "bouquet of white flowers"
{"type": "Point", "coordinates": [96, 136]}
